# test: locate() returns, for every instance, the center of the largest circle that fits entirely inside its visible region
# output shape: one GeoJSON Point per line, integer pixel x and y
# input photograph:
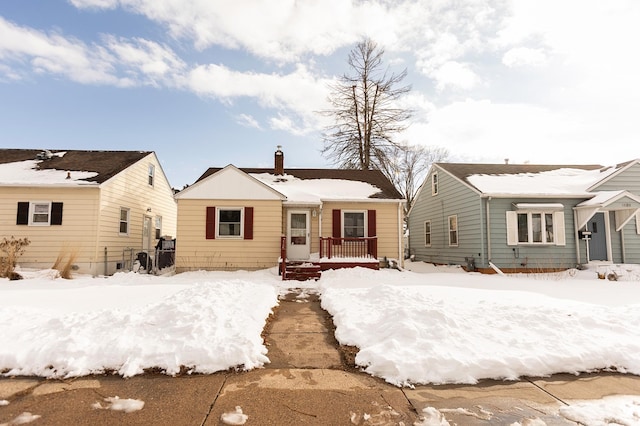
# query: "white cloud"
{"type": "Point", "coordinates": [455, 75]}
{"type": "Point", "coordinates": [282, 30]}
{"type": "Point", "coordinates": [55, 54]}
{"type": "Point", "coordinates": [148, 60]}
{"type": "Point", "coordinates": [524, 56]}
{"type": "Point", "coordinates": [299, 92]}
{"type": "Point", "coordinates": [484, 131]}
{"type": "Point", "coordinates": [118, 62]}
{"type": "Point", "coordinates": [247, 120]}
{"type": "Point", "coordinates": [97, 4]}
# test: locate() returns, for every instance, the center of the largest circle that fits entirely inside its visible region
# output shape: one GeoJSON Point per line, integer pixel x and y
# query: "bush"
{"type": "Point", "coordinates": [65, 267]}
{"type": "Point", "coordinates": [10, 250]}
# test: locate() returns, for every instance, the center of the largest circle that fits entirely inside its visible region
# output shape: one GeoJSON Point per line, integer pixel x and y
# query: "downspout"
{"type": "Point", "coordinates": [488, 214]}
{"type": "Point", "coordinates": [576, 234]}
{"type": "Point", "coordinates": [320, 221]}
{"type": "Point", "coordinates": [400, 236]}
{"type": "Point", "coordinates": [624, 251]}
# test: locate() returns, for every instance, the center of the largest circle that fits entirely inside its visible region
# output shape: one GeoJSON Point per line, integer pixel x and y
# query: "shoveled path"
{"type": "Point", "coordinates": [310, 381]}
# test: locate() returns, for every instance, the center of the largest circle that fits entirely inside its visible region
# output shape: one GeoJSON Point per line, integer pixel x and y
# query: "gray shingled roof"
{"type": "Point", "coordinates": [372, 177]}
{"type": "Point", "coordinates": [105, 163]}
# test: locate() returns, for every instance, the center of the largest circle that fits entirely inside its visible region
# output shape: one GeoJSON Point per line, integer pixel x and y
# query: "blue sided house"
{"type": "Point", "coordinates": [526, 217]}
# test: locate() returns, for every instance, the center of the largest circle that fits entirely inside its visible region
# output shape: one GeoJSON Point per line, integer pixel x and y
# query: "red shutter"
{"type": "Point", "coordinates": [372, 245]}
{"type": "Point", "coordinates": [248, 223]}
{"type": "Point", "coordinates": [371, 223]}
{"type": "Point", "coordinates": [211, 223]}
{"type": "Point", "coordinates": [337, 225]}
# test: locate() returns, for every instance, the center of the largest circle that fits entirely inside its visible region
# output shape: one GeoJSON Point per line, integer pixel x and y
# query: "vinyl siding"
{"type": "Point", "coordinates": [76, 234]}
{"type": "Point", "coordinates": [130, 189]}
{"type": "Point", "coordinates": [389, 242]}
{"type": "Point", "coordinates": [628, 180]}
{"type": "Point", "coordinates": [530, 255]}
{"type": "Point", "coordinates": [90, 219]}
{"type": "Point", "coordinates": [194, 251]}
{"type": "Point", "coordinates": [453, 198]}
{"type": "Point", "coordinates": [632, 242]}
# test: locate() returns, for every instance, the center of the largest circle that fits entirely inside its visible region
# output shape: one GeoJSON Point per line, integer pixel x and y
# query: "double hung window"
{"type": "Point", "coordinates": [353, 224]}
{"type": "Point", "coordinates": [229, 222]}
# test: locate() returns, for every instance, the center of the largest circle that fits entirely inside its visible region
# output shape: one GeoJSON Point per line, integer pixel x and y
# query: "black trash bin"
{"type": "Point", "coordinates": [143, 259]}
{"type": "Point", "coordinates": [165, 253]}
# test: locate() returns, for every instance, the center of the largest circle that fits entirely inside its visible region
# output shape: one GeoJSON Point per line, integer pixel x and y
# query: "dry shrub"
{"type": "Point", "coordinates": [65, 267]}
{"type": "Point", "coordinates": [10, 250]}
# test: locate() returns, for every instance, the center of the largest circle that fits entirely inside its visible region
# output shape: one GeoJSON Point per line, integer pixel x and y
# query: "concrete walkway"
{"type": "Point", "coordinates": [308, 382]}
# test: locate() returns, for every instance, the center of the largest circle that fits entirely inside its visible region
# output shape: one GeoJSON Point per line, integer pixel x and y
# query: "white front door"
{"type": "Point", "coordinates": [298, 235]}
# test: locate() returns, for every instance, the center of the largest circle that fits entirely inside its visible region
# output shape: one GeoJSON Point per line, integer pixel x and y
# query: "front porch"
{"type": "Point", "coordinates": [334, 253]}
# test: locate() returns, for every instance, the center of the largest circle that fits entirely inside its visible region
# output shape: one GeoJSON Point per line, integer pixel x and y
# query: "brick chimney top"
{"type": "Point", "coordinates": [279, 161]}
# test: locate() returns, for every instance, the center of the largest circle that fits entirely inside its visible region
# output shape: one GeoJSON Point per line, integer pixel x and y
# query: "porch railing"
{"type": "Point", "coordinates": [331, 247]}
{"type": "Point", "coordinates": [283, 256]}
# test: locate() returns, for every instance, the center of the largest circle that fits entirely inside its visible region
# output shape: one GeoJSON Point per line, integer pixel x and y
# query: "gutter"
{"type": "Point", "coordinates": [488, 219]}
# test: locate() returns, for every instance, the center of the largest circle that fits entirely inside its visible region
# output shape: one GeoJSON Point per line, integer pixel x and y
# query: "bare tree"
{"type": "Point", "coordinates": [408, 165]}
{"type": "Point", "coordinates": [365, 111]}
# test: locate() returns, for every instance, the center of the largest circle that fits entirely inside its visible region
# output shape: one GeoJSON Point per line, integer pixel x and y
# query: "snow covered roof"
{"type": "Point", "coordinates": [530, 179]}
{"type": "Point", "coordinates": [63, 167]}
{"type": "Point", "coordinates": [315, 185]}
{"type": "Point", "coordinates": [315, 191]}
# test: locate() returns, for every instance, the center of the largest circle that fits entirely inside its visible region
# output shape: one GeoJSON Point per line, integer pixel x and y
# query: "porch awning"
{"type": "Point", "coordinates": [623, 203]}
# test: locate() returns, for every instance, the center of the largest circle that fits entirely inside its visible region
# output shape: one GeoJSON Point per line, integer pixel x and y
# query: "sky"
{"type": "Point", "coordinates": [411, 328]}
{"type": "Point", "coordinates": [211, 83]}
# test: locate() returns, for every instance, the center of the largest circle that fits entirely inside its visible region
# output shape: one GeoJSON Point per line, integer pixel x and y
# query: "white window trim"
{"type": "Point", "coordinates": [366, 222]}
{"type": "Point", "coordinates": [230, 237]}
{"type": "Point", "coordinates": [638, 223]}
{"type": "Point", "coordinates": [559, 238]}
{"type": "Point", "coordinates": [435, 183]}
{"type": "Point", "coordinates": [425, 233]}
{"type": "Point", "coordinates": [151, 175]}
{"type": "Point", "coordinates": [157, 235]}
{"type": "Point", "coordinates": [32, 207]}
{"type": "Point", "coordinates": [449, 230]}
{"type": "Point", "coordinates": [128, 221]}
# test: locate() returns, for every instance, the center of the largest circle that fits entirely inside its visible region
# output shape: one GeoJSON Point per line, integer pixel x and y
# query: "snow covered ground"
{"type": "Point", "coordinates": [428, 325]}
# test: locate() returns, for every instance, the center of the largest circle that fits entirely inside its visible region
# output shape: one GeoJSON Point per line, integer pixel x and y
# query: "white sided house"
{"type": "Point", "coordinates": [526, 217]}
{"type": "Point", "coordinates": [305, 220]}
{"type": "Point", "coordinates": [99, 208]}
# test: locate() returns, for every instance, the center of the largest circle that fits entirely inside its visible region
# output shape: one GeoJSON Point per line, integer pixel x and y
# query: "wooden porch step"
{"type": "Point", "coordinates": [302, 271]}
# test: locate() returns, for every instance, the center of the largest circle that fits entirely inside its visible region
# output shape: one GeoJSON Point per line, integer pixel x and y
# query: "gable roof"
{"type": "Point", "coordinates": [375, 178]}
{"type": "Point", "coordinates": [529, 179]}
{"type": "Point", "coordinates": [230, 183]}
{"type": "Point", "coordinates": [90, 166]}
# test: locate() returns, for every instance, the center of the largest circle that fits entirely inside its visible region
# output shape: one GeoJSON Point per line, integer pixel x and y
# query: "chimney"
{"type": "Point", "coordinates": [279, 161]}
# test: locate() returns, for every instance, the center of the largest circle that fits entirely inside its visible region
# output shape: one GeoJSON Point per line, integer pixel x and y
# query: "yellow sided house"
{"type": "Point", "coordinates": [304, 220]}
{"type": "Point", "coordinates": [101, 209]}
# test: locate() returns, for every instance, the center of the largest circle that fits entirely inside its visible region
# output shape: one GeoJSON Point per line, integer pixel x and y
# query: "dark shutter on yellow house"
{"type": "Point", "coordinates": [337, 225]}
{"type": "Point", "coordinates": [210, 232]}
{"type": "Point", "coordinates": [248, 223]}
{"type": "Point", "coordinates": [56, 213]}
{"type": "Point", "coordinates": [371, 223]}
{"type": "Point", "coordinates": [22, 217]}
{"type": "Point", "coordinates": [372, 245]}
